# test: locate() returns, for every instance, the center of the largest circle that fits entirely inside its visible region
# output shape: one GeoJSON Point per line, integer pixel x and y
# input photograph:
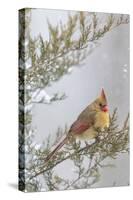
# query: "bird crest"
{"type": "Point", "coordinates": [103, 96]}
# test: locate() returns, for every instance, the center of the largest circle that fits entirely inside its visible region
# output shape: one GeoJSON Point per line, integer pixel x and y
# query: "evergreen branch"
{"type": "Point", "coordinates": [112, 143]}
{"type": "Point", "coordinates": [51, 59]}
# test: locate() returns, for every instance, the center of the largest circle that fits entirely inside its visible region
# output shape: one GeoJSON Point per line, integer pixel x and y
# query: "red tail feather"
{"type": "Point", "coordinates": [56, 149]}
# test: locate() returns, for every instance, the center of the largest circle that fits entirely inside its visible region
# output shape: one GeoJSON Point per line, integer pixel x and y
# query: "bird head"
{"type": "Point", "coordinates": [101, 104]}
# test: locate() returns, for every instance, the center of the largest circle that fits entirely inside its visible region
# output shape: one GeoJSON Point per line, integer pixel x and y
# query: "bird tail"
{"type": "Point", "coordinates": [56, 149]}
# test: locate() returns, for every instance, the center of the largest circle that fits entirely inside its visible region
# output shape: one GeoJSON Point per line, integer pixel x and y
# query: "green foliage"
{"type": "Point", "coordinates": [41, 63]}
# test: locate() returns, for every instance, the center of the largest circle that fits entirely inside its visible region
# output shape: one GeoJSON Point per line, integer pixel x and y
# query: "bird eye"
{"type": "Point", "coordinates": [100, 104]}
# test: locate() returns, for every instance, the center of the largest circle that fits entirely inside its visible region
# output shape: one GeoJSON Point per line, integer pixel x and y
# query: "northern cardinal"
{"type": "Point", "coordinates": [94, 118]}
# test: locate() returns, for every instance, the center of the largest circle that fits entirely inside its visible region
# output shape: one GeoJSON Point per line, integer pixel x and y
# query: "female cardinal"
{"type": "Point", "coordinates": [94, 118]}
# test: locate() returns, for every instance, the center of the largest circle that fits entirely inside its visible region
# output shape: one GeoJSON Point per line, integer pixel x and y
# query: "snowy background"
{"type": "Point", "coordinates": [107, 67]}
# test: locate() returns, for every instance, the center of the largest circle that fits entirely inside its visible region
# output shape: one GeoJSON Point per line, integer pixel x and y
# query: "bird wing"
{"type": "Point", "coordinates": [84, 121]}
{"type": "Point", "coordinates": [79, 126]}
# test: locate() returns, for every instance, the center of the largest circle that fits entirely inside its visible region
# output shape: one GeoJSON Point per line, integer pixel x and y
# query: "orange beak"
{"type": "Point", "coordinates": [105, 108]}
